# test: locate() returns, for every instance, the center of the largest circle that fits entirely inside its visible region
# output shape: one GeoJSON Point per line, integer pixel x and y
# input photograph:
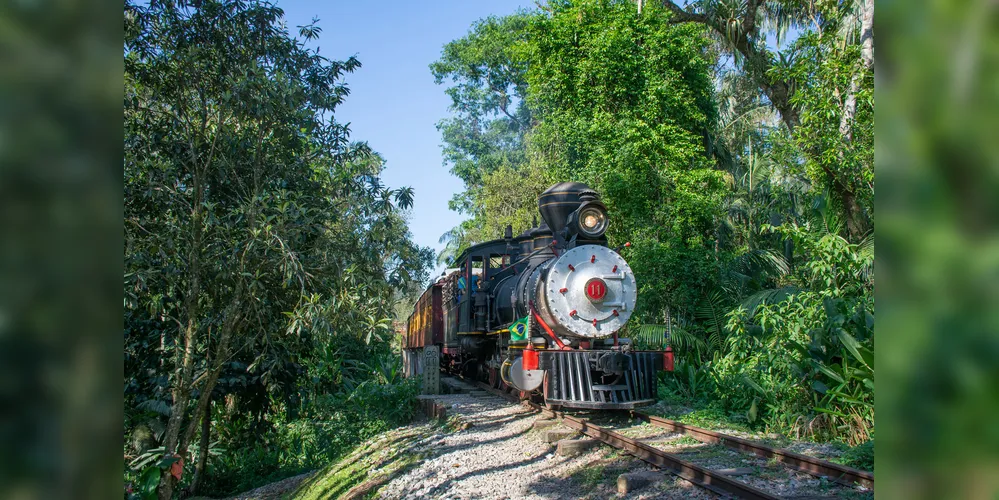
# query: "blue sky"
{"type": "Point", "coordinates": [394, 103]}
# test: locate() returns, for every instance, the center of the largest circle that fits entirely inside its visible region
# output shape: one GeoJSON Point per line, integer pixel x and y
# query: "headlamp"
{"type": "Point", "coordinates": [592, 221]}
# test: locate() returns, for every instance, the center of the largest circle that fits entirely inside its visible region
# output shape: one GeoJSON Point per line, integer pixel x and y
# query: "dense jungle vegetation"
{"type": "Point", "coordinates": [262, 255]}
{"type": "Point", "coordinates": [265, 260]}
{"type": "Point", "coordinates": [740, 169]}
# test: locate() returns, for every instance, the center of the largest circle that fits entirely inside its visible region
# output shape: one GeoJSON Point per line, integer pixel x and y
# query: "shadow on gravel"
{"type": "Point", "coordinates": [504, 418]}
{"type": "Point", "coordinates": [442, 488]}
{"type": "Point", "coordinates": [597, 479]}
{"type": "Point", "coordinates": [497, 421]}
{"type": "Point", "coordinates": [448, 449]}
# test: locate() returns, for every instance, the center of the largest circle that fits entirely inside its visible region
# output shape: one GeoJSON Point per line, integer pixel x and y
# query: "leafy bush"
{"type": "Point", "coordinates": [797, 359]}
{"type": "Point", "coordinates": [329, 428]}
{"type": "Point", "coordinates": [689, 381]}
{"type": "Point", "coordinates": [859, 457]}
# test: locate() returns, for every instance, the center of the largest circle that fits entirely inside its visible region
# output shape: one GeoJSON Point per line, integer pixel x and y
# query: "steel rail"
{"type": "Point", "coordinates": [706, 478]}
{"type": "Point", "coordinates": [701, 476]}
{"type": "Point", "coordinates": [804, 463]}
{"type": "Point", "coordinates": [838, 473]}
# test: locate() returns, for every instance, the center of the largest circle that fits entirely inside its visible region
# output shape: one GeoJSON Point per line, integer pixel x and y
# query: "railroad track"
{"type": "Point", "coordinates": [817, 467]}
{"type": "Point", "coordinates": [704, 477]}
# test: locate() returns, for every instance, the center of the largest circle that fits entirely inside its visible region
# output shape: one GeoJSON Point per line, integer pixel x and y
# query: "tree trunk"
{"type": "Point", "coordinates": [182, 383]}
{"type": "Point", "coordinates": [856, 219]}
{"type": "Point", "coordinates": [206, 428]}
{"type": "Point", "coordinates": [757, 63]}
{"type": "Point", "coordinates": [866, 63]}
{"type": "Point", "coordinates": [857, 223]}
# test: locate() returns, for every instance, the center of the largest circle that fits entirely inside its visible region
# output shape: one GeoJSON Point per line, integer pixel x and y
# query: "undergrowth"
{"type": "Point", "coordinates": [329, 430]}
{"type": "Point", "coordinates": [702, 412]}
{"type": "Point", "coordinates": [390, 454]}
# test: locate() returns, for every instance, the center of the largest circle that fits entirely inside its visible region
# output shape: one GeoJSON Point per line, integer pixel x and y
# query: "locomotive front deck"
{"type": "Point", "coordinates": [571, 382]}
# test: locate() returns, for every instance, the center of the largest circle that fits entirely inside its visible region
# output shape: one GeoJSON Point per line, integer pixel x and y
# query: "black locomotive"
{"type": "Point", "coordinates": [541, 312]}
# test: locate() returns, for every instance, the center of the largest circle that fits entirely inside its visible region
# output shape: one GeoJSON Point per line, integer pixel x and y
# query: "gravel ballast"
{"type": "Point", "coordinates": [501, 455]}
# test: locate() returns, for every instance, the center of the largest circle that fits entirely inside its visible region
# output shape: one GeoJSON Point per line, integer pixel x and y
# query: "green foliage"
{"type": "Point", "coordinates": [689, 381]}
{"type": "Point", "coordinates": [488, 70]}
{"type": "Point", "coordinates": [812, 351]}
{"type": "Point", "coordinates": [859, 457]}
{"type": "Point", "coordinates": [833, 163]}
{"type": "Point", "coordinates": [484, 142]}
{"type": "Point", "coordinates": [263, 253]}
{"type": "Point", "coordinates": [746, 188]}
{"type": "Point", "coordinates": [328, 429]}
{"type": "Point", "coordinates": [624, 103]}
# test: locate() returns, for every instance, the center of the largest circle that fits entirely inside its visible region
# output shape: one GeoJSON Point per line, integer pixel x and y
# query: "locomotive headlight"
{"type": "Point", "coordinates": [592, 221]}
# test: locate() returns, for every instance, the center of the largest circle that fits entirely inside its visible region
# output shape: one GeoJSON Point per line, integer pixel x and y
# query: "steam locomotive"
{"type": "Point", "coordinates": [541, 312]}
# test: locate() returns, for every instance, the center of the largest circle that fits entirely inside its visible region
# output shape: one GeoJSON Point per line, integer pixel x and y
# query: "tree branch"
{"type": "Point", "coordinates": [757, 63]}
{"type": "Point", "coordinates": [683, 16]}
{"type": "Point", "coordinates": [749, 19]}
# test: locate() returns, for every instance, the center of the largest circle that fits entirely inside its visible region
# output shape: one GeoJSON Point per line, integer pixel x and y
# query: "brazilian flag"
{"type": "Point", "coordinates": [518, 330]}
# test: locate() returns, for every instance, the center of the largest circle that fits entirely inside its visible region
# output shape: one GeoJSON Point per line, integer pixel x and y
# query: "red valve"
{"type": "Point", "coordinates": [593, 258]}
{"type": "Point", "coordinates": [563, 290]}
{"type": "Point", "coordinates": [571, 268]}
{"type": "Point", "coordinates": [572, 312]}
{"type": "Point", "coordinates": [530, 361]}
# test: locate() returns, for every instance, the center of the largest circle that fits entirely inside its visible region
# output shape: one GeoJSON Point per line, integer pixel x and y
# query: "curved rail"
{"type": "Point", "coordinates": [804, 463]}
{"type": "Point", "coordinates": [701, 476]}
{"type": "Point", "coordinates": [706, 478]}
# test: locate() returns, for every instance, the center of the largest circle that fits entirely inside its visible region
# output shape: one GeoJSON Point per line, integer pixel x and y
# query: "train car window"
{"type": "Point", "coordinates": [477, 268]}
{"type": "Point", "coordinates": [497, 261]}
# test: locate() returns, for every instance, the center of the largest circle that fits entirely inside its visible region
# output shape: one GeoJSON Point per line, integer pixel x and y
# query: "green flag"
{"type": "Point", "coordinates": [518, 330]}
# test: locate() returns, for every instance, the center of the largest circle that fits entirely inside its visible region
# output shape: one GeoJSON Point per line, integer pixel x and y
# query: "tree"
{"type": "Point", "coordinates": [487, 70]}
{"type": "Point", "coordinates": [624, 102]}
{"type": "Point", "coordinates": [250, 218]}
{"type": "Point", "coordinates": [614, 99]}
{"type": "Point", "coordinates": [743, 28]}
{"type": "Point", "coordinates": [828, 75]}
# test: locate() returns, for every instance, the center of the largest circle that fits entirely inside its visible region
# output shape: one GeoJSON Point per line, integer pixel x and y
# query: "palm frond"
{"type": "Point", "coordinates": [711, 312]}
{"type": "Point", "coordinates": [762, 264]}
{"type": "Point", "coordinates": [770, 296]}
{"type": "Point", "coordinates": [654, 336]}
{"type": "Point", "coordinates": [865, 252]}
